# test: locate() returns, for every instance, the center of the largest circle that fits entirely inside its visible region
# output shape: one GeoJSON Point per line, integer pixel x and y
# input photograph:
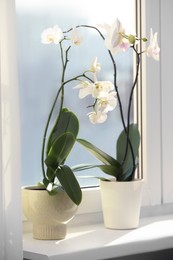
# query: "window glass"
{"type": "Point", "coordinates": [40, 73]}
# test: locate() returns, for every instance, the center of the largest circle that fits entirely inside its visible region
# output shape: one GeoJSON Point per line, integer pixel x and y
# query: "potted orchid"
{"type": "Point", "coordinates": [105, 94]}
{"type": "Point", "coordinates": [53, 202]}
{"type": "Point", "coordinates": [106, 97]}
{"type": "Point", "coordinates": [121, 191]}
{"type": "Point", "coordinates": [59, 178]}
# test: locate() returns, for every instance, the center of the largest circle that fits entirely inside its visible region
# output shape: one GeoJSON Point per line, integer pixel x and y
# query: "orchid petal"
{"type": "Point", "coordinates": [52, 35]}
{"type": "Point", "coordinates": [124, 46]}
{"type": "Point", "coordinates": [85, 89]}
{"type": "Point", "coordinates": [95, 66]}
{"type": "Point", "coordinates": [108, 103]}
{"type": "Point", "coordinates": [97, 117]}
{"type": "Point", "coordinates": [114, 37]}
{"type": "Point", "coordinates": [153, 49]}
{"type": "Point", "coordinates": [75, 37]}
{"type": "Point", "coordinates": [102, 88]}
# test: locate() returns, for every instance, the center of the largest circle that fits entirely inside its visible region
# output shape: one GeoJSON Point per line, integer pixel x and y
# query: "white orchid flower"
{"type": "Point", "coordinates": [75, 37]}
{"type": "Point", "coordinates": [97, 117]}
{"type": "Point", "coordinates": [114, 36]}
{"type": "Point", "coordinates": [153, 49]}
{"type": "Point", "coordinates": [101, 89]}
{"type": "Point", "coordinates": [104, 26]}
{"type": "Point", "coordinates": [95, 66]}
{"type": "Point", "coordinates": [124, 46]}
{"type": "Point", "coordinates": [52, 35]}
{"type": "Point", "coordinates": [107, 103]}
{"type": "Point", "coordinates": [85, 89]}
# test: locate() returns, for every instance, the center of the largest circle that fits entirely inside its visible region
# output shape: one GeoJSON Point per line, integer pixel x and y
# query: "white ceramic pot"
{"type": "Point", "coordinates": [121, 202]}
{"type": "Point", "coordinates": [49, 214]}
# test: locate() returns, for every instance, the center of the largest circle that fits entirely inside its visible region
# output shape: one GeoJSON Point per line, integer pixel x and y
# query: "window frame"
{"type": "Point", "coordinates": [151, 130]}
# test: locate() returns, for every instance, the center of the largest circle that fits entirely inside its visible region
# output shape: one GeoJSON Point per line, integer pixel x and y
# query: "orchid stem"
{"type": "Point", "coordinates": [51, 111]}
{"type": "Point", "coordinates": [119, 100]}
{"type": "Point", "coordinates": [129, 106]}
{"type": "Point", "coordinates": [60, 90]}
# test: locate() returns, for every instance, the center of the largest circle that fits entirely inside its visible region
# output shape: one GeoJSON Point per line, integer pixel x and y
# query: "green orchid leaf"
{"type": "Point", "coordinates": [50, 173]}
{"type": "Point", "coordinates": [45, 182]}
{"type": "Point", "coordinates": [70, 184]}
{"type": "Point", "coordinates": [99, 154]}
{"type": "Point", "coordinates": [126, 176]}
{"type": "Point", "coordinates": [65, 122]}
{"type": "Point", "coordinates": [82, 167]}
{"type": "Point", "coordinates": [108, 169]}
{"type": "Point", "coordinates": [111, 170]}
{"type": "Point", "coordinates": [103, 179]}
{"type": "Point", "coordinates": [134, 137]}
{"type": "Point", "coordinates": [60, 150]}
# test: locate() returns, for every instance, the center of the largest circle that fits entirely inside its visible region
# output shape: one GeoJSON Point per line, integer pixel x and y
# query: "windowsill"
{"type": "Point", "coordinates": [94, 241]}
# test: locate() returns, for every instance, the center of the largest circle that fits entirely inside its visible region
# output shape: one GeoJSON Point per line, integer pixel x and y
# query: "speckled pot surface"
{"type": "Point", "coordinates": [49, 214]}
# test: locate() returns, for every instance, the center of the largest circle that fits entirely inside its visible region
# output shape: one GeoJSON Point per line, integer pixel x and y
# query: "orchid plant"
{"type": "Point", "coordinates": [105, 96]}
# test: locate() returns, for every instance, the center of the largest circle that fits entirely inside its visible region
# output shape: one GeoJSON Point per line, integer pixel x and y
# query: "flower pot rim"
{"type": "Point", "coordinates": [37, 188]}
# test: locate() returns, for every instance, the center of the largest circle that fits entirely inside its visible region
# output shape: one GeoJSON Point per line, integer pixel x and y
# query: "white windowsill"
{"type": "Point", "coordinates": [94, 241]}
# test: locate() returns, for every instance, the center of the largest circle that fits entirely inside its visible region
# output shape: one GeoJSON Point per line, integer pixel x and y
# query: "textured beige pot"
{"type": "Point", "coordinates": [49, 214]}
{"type": "Point", "coordinates": [121, 203]}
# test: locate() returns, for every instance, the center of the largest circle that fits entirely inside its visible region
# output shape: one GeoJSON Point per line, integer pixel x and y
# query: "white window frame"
{"type": "Point", "coordinates": [157, 105]}
{"type": "Point", "coordinates": [166, 100]}
{"type": "Point", "coordinates": [151, 91]}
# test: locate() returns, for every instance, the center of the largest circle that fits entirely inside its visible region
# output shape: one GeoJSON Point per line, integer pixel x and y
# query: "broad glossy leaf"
{"type": "Point", "coordinates": [82, 167]}
{"type": "Point", "coordinates": [126, 176]}
{"type": "Point", "coordinates": [60, 150]}
{"type": "Point", "coordinates": [50, 173]}
{"type": "Point", "coordinates": [134, 137]}
{"type": "Point", "coordinates": [103, 179]}
{"type": "Point", "coordinates": [108, 169]}
{"type": "Point", "coordinates": [111, 170]}
{"type": "Point", "coordinates": [99, 154]}
{"type": "Point", "coordinates": [70, 184]}
{"type": "Point", "coordinates": [65, 122]}
{"type": "Point", "coordinates": [46, 182]}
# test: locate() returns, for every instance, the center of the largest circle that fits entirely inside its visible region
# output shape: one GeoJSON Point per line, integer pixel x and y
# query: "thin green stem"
{"type": "Point", "coordinates": [61, 90]}
{"type": "Point", "coordinates": [128, 143]}
{"type": "Point", "coordinates": [118, 96]}
{"type": "Point", "coordinates": [114, 67]}
{"type": "Point", "coordinates": [129, 105]}
{"type": "Point", "coordinates": [117, 91]}
{"type": "Point", "coordinates": [134, 84]}
{"type": "Point", "coordinates": [51, 112]}
{"type": "Point", "coordinates": [46, 129]}
{"type": "Point", "coordinates": [87, 26]}
{"type": "Point", "coordinates": [64, 65]}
